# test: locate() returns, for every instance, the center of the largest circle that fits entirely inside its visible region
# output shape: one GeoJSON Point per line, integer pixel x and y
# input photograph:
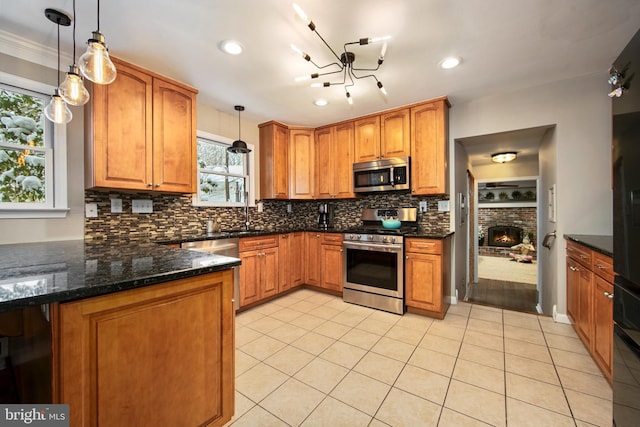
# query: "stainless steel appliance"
{"type": "Point", "coordinates": [374, 260]}
{"type": "Point", "coordinates": [325, 216]}
{"type": "Point", "coordinates": [626, 235]}
{"type": "Point", "coordinates": [226, 247]}
{"type": "Point", "coordinates": [382, 175]}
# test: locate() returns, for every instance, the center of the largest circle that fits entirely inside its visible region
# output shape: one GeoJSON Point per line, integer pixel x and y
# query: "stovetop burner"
{"type": "Point", "coordinates": [372, 221]}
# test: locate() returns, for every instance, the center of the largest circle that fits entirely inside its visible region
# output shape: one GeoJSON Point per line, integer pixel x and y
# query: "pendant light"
{"type": "Point", "coordinates": [239, 146]}
{"type": "Point", "coordinates": [57, 110]}
{"type": "Point", "coordinates": [72, 89]}
{"type": "Point", "coordinates": [95, 63]}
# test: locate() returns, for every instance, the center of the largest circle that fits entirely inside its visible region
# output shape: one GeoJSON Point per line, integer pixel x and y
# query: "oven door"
{"type": "Point", "coordinates": [377, 269]}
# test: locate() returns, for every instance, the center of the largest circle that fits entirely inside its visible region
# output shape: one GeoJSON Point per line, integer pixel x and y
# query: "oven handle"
{"type": "Point", "coordinates": [369, 247]}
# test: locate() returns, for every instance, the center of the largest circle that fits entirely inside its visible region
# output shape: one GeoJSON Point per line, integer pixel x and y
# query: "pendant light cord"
{"type": "Point", "coordinates": [98, 16]}
{"type": "Point", "coordinates": [239, 135]}
{"type": "Point", "coordinates": [74, 33]}
{"type": "Point", "coordinates": [58, 70]}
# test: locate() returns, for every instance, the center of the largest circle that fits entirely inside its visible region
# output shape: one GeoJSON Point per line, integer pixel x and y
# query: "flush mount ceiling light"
{"type": "Point", "coordinates": [95, 63]}
{"type": "Point", "coordinates": [72, 89]}
{"type": "Point", "coordinates": [504, 157]}
{"type": "Point", "coordinates": [57, 110]}
{"type": "Point", "coordinates": [320, 102]}
{"type": "Point", "coordinates": [345, 60]}
{"type": "Point", "coordinates": [239, 146]}
{"type": "Point", "coordinates": [231, 47]}
{"type": "Point", "coordinates": [450, 62]}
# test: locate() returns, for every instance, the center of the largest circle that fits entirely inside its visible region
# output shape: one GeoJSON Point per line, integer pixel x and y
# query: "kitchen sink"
{"type": "Point", "coordinates": [241, 232]}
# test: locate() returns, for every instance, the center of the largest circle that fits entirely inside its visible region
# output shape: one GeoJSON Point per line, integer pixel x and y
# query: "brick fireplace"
{"type": "Point", "coordinates": [504, 236]}
{"type": "Point", "coordinates": [523, 219]}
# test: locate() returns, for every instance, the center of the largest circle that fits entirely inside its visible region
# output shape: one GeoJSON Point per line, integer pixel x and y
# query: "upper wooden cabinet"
{"type": "Point", "coordinates": [334, 162]}
{"type": "Point", "coordinates": [429, 147]}
{"type": "Point", "coordinates": [395, 134]}
{"type": "Point", "coordinates": [140, 133]}
{"type": "Point", "coordinates": [367, 139]}
{"type": "Point", "coordinates": [274, 161]}
{"type": "Point", "coordinates": [301, 164]}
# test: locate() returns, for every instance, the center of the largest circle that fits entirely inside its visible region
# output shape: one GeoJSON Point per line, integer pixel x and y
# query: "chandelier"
{"type": "Point", "coordinates": [345, 61]}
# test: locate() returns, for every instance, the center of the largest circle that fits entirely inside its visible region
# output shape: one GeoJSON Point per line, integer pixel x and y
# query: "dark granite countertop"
{"type": "Point", "coordinates": [602, 244]}
{"type": "Point", "coordinates": [42, 273]}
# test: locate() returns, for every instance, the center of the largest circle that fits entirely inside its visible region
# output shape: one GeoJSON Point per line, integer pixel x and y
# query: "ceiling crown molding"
{"type": "Point", "coordinates": [28, 50]}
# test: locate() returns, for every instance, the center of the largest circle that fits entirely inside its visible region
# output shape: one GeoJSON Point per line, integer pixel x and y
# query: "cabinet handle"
{"type": "Point", "coordinates": [341, 250]}
{"type": "Point", "coordinates": [583, 256]}
{"type": "Point", "coordinates": [572, 268]}
{"type": "Point", "coordinates": [406, 257]}
{"type": "Point", "coordinates": [150, 184]}
{"type": "Point", "coordinates": [601, 266]}
{"type": "Point", "coordinates": [608, 295]}
{"type": "Point", "coordinates": [157, 185]}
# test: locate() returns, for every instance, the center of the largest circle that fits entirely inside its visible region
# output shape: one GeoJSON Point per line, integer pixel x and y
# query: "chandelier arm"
{"type": "Point", "coordinates": [367, 69]}
{"type": "Point", "coordinates": [364, 77]}
{"type": "Point", "coordinates": [327, 45]}
{"type": "Point", "coordinates": [328, 65]}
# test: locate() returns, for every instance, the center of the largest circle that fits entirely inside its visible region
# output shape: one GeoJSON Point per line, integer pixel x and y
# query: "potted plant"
{"type": "Point", "coordinates": [480, 237]}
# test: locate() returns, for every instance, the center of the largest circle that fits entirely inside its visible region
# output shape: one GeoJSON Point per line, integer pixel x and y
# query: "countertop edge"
{"type": "Point", "coordinates": [599, 243]}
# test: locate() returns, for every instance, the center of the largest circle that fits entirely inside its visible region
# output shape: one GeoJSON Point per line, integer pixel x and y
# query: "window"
{"type": "Point", "coordinates": [32, 152]}
{"type": "Point", "coordinates": [223, 177]}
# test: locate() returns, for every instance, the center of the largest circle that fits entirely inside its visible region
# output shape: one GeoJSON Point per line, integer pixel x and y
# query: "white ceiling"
{"type": "Point", "coordinates": [504, 44]}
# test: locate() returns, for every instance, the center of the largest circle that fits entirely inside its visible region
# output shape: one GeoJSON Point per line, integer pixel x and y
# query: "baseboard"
{"type": "Point", "coordinates": [560, 318]}
{"type": "Point", "coordinates": [539, 308]}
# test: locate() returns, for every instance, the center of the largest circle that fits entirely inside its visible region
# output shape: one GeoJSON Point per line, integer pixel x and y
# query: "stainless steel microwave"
{"type": "Point", "coordinates": [382, 175]}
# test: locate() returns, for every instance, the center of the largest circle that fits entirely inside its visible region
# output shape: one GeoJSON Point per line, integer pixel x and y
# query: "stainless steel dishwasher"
{"type": "Point", "coordinates": [226, 247]}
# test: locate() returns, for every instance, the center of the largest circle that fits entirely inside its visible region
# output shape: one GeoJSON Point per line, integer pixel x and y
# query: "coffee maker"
{"type": "Point", "coordinates": [325, 216]}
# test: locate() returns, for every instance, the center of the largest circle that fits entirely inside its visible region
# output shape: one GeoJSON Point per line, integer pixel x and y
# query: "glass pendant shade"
{"type": "Point", "coordinates": [72, 89]}
{"type": "Point", "coordinates": [95, 63]}
{"type": "Point", "coordinates": [57, 110]}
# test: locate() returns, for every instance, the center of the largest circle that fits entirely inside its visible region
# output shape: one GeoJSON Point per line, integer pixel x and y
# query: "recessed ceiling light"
{"type": "Point", "coordinates": [320, 102]}
{"type": "Point", "coordinates": [231, 47]}
{"type": "Point", "coordinates": [450, 62]}
{"type": "Point", "coordinates": [504, 157]}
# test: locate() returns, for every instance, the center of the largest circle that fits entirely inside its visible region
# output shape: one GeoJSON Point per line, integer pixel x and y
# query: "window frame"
{"type": "Point", "coordinates": [58, 206]}
{"type": "Point", "coordinates": [249, 173]}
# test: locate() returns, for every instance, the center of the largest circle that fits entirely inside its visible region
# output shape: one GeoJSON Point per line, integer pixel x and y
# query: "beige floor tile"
{"type": "Point", "coordinates": [337, 304]}
{"type": "Point", "coordinates": [450, 418]}
{"type": "Point", "coordinates": [263, 347]}
{"type": "Point", "coordinates": [259, 381]}
{"type": "Point", "coordinates": [526, 415]}
{"type": "Point", "coordinates": [462, 309]}
{"type": "Point", "coordinates": [308, 321]}
{"type": "Point", "coordinates": [320, 298]}
{"type": "Point", "coordinates": [531, 368]}
{"type": "Point", "coordinates": [393, 349]}
{"type": "Point", "coordinates": [289, 360]}
{"type": "Point", "coordinates": [479, 375]}
{"type": "Point", "coordinates": [258, 417]}
{"type": "Point", "coordinates": [569, 359]}
{"type": "Point", "coordinates": [476, 402]}
{"type": "Point", "coordinates": [485, 307]}
{"type": "Point", "coordinates": [485, 326]}
{"type": "Point", "coordinates": [415, 321]}
{"type": "Point", "coordinates": [360, 338]}
{"type": "Point", "coordinates": [287, 333]}
{"type": "Point", "coordinates": [303, 306]}
{"type": "Point", "coordinates": [332, 412]}
{"type": "Point", "coordinates": [244, 362]}
{"type": "Point", "coordinates": [377, 423]}
{"type": "Point", "coordinates": [349, 318]}
{"type": "Point", "coordinates": [374, 326]}
{"type": "Point", "coordinates": [242, 405]}
{"type": "Point", "coordinates": [481, 355]}
{"type": "Point", "coordinates": [293, 401]}
{"type": "Point", "coordinates": [321, 374]}
{"type": "Point", "coordinates": [434, 361]}
{"type": "Point", "coordinates": [595, 385]}
{"type": "Point", "coordinates": [401, 409]}
{"type": "Point", "coordinates": [563, 342]}
{"type": "Point", "coordinates": [590, 409]}
{"type": "Point", "coordinates": [380, 367]}
{"type": "Point", "coordinates": [583, 424]}
{"type": "Point", "coordinates": [358, 309]}
{"type": "Point", "coordinates": [481, 339]}
{"type": "Point", "coordinates": [324, 312]}
{"type": "Point", "coordinates": [521, 320]}
{"type": "Point", "coordinates": [446, 331]}
{"type": "Point", "coordinates": [265, 324]}
{"type": "Point", "coordinates": [440, 344]}
{"type": "Point", "coordinates": [425, 384]}
{"type": "Point", "coordinates": [456, 320]}
{"type": "Point", "coordinates": [267, 308]}
{"type": "Point", "coordinates": [528, 350]}
{"type": "Point", "coordinates": [487, 315]}
{"type": "Point", "coordinates": [524, 334]}
{"type": "Point", "coordinates": [406, 335]}
{"type": "Point", "coordinates": [313, 343]}
{"type": "Point", "coordinates": [384, 316]}
{"type": "Point", "coordinates": [343, 354]}
{"type": "Point", "coordinates": [537, 393]}
{"type": "Point", "coordinates": [248, 316]}
{"type": "Point", "coordinates": [361, 392]}
{"type": "Point", "coordinates": [551, 327]}
{"type": "Point", "coordinates": [332, 329]}
{"type": "Point", "coordinates": [286, 314]}
{"type": "Point", "coordinates": [245, 335]}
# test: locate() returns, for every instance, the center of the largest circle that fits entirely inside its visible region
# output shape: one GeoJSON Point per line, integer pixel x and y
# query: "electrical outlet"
{"type": "Point", "coordinates": [91, 210]}
{"type": "Point", "coordinates": [443, 206]}
{"type": "Point", "coordinates": [423, 206]}
{"type": "Point", "coordinates": [116, 205]}
{"type": "Point", "coordinates": [289, 208]}
{"type": "Point", "coordinates": [260, 207]}
{"type": "Point", "coordinates": [141, 206]}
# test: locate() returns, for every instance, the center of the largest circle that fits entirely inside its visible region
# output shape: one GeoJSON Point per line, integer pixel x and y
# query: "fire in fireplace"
{"type": "Point", "coordinates": [505, 236]}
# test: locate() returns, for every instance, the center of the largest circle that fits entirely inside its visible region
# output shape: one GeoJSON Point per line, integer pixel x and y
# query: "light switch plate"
{"type": "Point", "coordinates": [91, 210]}
{"type": "Point", "coordinates": [443, 206]}
{"type": "Point", "coordinates": [141, 206]}
{"type": "Point", "coordinates": [116, 205]}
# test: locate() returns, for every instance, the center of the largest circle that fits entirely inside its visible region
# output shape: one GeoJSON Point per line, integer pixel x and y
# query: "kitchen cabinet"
{"type": "Point", "coordinates": [334, 161]}
{"type": "Point", "coordinates": [395, 134]}
{"type": "Point", "coordinates": [590, 301]}
{"type": "Point", "coordinates": [331, 261]}
{"type": "Point", "coordinates": [274, 161]}
{"type": "Point", "coordinates": [301, 164]}
{"type": "Point", "coordinates": [313, 271]}
{"type": "Point", "coordinates": [133, 357]}
{"type": "Point", "coordinates": [291, 251]}
{"type": "Point", "coordinates": [427, 277]}
{"type": "Point", "coordinates": [140, 133]}
{"type": "Point", "coordinates": [429, 147]}
{"type": "Point", "coordinates": [367, 139]}
{"type": "Point", "coordinates": [259, 271]}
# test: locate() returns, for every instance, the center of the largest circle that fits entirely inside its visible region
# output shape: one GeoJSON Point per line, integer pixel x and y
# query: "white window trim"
{"type": "Point", "coordinates": [252, 179]}
{"type": "Point", "coordinates": [60, 200]}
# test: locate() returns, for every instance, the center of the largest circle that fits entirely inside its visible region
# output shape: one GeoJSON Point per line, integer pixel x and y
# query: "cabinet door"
{"type": "Point", "coordinates": [285, 265]}
{"type": "Point", "coordinates": [603, 324]}
{"type": "Point", "coordinates": [274, 161]}
{"type": "Point", "coordinates": [429, 139]}
{"type": "Point", "coordinates": [332, 262]}
{"type": "Point", "coordinates": [269, 272]}
{"type": "Point", "coordinates": [342, 165]}
{"type": "Point", "coordinates": [313, 270]}
{"type": "Point", "coordinates": [395, 134]}
{"type": "Point", "coordinates": [297, 252]}
{"type": "Point", "coordinates": [324, 174]}
{"type": "Point", "coordinates": [119, 132]}
{"type": "Point", "coordinates": [423, 281]}
{"type": "Point", "coordinates": [585, 301]}
{"type": "Point", "coordinates": [174, 138]}
{"type": "Point", "coordinates": [367, 139]}
{"type": "Point", "coordinates": [131, 358]}
{"type": "Point", "coordinates": [301, 164]}
{"type": "Point", "coordinates": [249, 277]}
{"type": "Point", "coordinates": [573, 281]}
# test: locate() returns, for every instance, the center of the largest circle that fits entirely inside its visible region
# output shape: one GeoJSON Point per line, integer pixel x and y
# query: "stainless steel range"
{"type": "Point", "coordinates": [374, 260]}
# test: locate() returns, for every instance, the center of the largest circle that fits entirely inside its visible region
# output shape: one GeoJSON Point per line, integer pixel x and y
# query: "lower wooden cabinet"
{"type": "Point", "coordinates": [426, 272]}
{"type": "Point", "coordinates": [332, 261]}
{"type": "Point", "coordinates": [291, 252]}
{"type": "Point", "coordinates": [313, 272]}
{"type": "Point", "coordinates": [259, 271]}
{"type": "Point", "coordinates": [602, 322]}
{"type": "Point", "coordinates": [157, 355]}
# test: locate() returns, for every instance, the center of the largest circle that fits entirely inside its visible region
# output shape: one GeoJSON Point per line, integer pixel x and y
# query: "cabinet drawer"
{"type": "Point", "coordinates": [580, 253]}
{"type": "Point", "coordinates": [331, 239]}
{"type": "Point", "coordinates": [260, 242]}
{"type": "Point", "coordinates": [424, 246]}
{"type": "Point", "coordinates": [603, 266]}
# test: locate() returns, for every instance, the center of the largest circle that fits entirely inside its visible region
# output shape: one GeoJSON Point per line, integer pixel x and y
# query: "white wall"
{"type": "Point", "coordinates": [461, 237]}
{"type": "Point", "coordinates": [519, 167]}
{"type": "Point", "coordinates": [548, 258]}
{"type": "Point", "coordinates": [581, 111]}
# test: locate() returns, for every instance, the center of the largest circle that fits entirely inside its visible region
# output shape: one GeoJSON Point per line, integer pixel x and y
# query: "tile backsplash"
{"type": "Point", "coordinates": [175, 215]}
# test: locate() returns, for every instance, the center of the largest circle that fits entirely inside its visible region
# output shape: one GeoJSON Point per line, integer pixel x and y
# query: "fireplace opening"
{"type": "Point", "coordinates": [504, 236]}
